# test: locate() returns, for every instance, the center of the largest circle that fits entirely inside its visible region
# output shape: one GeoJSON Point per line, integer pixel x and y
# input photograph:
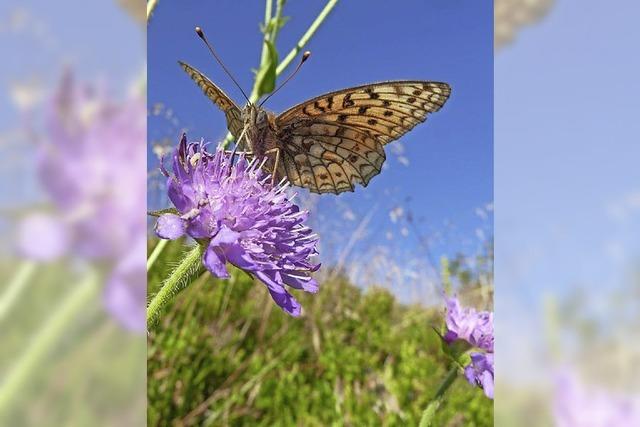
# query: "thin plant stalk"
{"type": "Point", "coordinates": [179, 279]}
{"type": "Point", "coordinates": [292, 53]}
{"type": "Point", "coordinates": [16, 287]}
{"type": "Point", "coordinates": [48, 336]}
{"type": "Point", "coordinates": [306, 36]}
{"type": "Point", "coordinates": [432, 408]}
{"type": "Point", "coordinates": [158, 248]}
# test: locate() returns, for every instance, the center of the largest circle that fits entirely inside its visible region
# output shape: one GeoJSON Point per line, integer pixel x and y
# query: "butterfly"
{"type": "Point", "coordinates": [330, 143]}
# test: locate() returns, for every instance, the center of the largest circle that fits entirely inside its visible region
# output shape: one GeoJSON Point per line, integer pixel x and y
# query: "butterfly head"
{"type": "Point", "coordinates": [254, 116]}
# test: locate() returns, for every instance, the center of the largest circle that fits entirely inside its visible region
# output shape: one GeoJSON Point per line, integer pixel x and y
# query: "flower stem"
{"type": "Point", "coordinates": [16, 286]}
{"type": "Point", "coordinates": [429, 413]}
{"type": "Point", "coordinates": [159, 247]}
{"type": "Point", "coordinates": [179, 279]}
{"type": "Point", "coordinates": [48, 336]}
{"type": "Point", "coordinates": [292, 53]}
{"type": "Point", "coordinates": [306, 36]}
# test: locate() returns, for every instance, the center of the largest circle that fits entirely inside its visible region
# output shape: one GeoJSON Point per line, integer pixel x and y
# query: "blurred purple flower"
{"type": "Point", "coordinates": [91, 162]}
{"type": "Point", "coordinates": [480, 372]}
{"type": "Point", "coordinates": [42, 237]}
{"type": "Point", "coordinates": [470, 325]}
{"type": "Point", "coordinates": [94, 150]}
{"type": "Point", "coordinates": [577, 404]}
{"type": "Point", "coordinates": [246, 221]}
{"type": "Point", "coordinates": [126, 291]}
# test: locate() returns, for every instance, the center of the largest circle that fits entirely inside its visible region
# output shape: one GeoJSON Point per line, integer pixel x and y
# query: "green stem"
{"type": "Point", "coordinates": [306, 36]}
{"type": "Point", "coordinates": [429, 413]}
{"type": "Point", "coordinates": [159, 247]}
{"type": "Point", "coordinates": [268, 8]}
{"type": "Point", "coordinates": [292, 53]}
{"type": "Point", "coordinates": [48, 336]}
{"type": "Point", "coordinates": [179, 279]}
{"type": "Point", "coordinates": [16, 286]}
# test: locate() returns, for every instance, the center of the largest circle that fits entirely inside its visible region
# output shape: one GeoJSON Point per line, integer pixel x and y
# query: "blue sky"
{"type": "Point", "coordinates": [97, 40]}
{"type": "Point", "coordinates": [451, 156]}
{"type": "Point", "coordinates": [567, 177]}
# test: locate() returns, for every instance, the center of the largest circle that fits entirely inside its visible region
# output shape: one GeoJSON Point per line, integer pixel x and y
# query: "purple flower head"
{"type": "Point", "coordinates": [91, 151]}
{"type": "Point", "coordinates": [91, 164]}
{"type": "Point", "coordinates": [475, 327]}
{"type": "Point", "coordinates": [480, 372]}
{"type": "Point", "coordinates": [245, 220]}
{"type": "Point", "coordinates": [579, 404]}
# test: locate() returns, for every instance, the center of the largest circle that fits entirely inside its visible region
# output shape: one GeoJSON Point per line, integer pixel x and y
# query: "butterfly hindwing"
{"type": "Point", "coordinates": [334, 141]}
{"type": "Point", "coordinates": [328, 157]}
{"type": "Point", "coordinates": [215, 94]}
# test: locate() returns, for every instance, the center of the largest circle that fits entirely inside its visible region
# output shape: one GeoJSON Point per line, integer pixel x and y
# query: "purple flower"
{"type": "Point", "coordinates": [244, 220]}
{"type": "Point", "coordinates": [91, 163]}
{"type": "Point", "coordinates": [579, 404]}
{"type": "Point", "coordinates": [125, 292]}
{"type": "Point", "coordinates": [470, 325]}
{"type": "Point", "coordinates": [42, 237]}
{"type": "Point", "coordinates": [480, 372]}
{"type": "Point", "coordinates": [476, 328]}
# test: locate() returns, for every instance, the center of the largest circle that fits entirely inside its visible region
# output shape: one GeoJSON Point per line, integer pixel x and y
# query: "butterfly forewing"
{"type": "Point", "coordinates": [334, 141]}
{"type": "Point", "coordinates": [215, 94]}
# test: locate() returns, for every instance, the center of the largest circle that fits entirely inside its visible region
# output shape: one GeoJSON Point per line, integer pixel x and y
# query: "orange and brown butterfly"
{"type": "Point", "coordinates": [330, 143]}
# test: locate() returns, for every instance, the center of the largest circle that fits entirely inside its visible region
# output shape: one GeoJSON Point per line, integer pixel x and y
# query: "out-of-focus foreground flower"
{"type": "Point", "coordinates": [579, 404]}
{"type": "Point", "coordinates": [476, 329]}
{"type": "Point", "coordinates": [90, 163]}
{"type": "Point", "coordinates": [243, 220]}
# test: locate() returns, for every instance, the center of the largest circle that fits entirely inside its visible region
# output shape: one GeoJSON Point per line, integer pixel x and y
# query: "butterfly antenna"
{"type": "Point", "coordinates": [305, 56]}
{"type": "Point", "coordinates": [200, 34]}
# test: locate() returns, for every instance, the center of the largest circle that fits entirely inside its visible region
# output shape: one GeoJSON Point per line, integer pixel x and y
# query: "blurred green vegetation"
{"type": "Point", "coordinates": [224, 354]}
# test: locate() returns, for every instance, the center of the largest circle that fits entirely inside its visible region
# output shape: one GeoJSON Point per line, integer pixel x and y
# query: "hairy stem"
{"type": "Point", "coordinates": [179, 279]}
{"type": "Point", "coordinates": [429, 413]}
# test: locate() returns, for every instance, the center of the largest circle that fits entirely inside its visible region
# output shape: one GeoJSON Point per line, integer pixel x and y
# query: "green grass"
{"type": "Point", "coordinates": [224, 354]}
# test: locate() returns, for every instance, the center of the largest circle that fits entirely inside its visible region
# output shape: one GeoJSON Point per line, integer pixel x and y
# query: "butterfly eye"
{"type": "Point", "coordinates": [262, 116]}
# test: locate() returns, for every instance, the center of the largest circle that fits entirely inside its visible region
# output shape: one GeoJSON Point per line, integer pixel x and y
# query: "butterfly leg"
{"type": "Point", "coordinates": [275, 163]}
{"type": "Point", "coordinates": [235, 147]}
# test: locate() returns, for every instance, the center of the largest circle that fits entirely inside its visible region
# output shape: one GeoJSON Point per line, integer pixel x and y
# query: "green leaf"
{"type": "Point", "coordinates": [163, 211]}
{"type": "Point", "coordinates": [266, 78]}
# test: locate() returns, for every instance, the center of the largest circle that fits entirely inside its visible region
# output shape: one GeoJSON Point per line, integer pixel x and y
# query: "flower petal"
{"type": "Point", "coordinates": [305, 283]}
{"type": "Point", "coordinates": [280, 295]}
{"type": "Point", "coordinates": [214, 260]}
{"type": "Point", "coordinates": [42, 237]}
{"type": "Point", "coordinates": [170, 226]}
{"type": "Point", "coordinates": [225, 236]}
